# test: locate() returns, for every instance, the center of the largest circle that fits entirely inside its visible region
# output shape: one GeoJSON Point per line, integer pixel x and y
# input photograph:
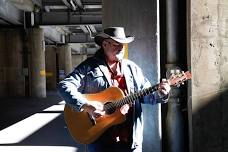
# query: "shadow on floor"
{"type": "Point", "coordinates": [50, 136]}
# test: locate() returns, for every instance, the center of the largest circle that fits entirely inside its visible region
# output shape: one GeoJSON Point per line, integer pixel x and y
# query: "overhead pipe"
{"type": "Point", "coordinates": [67, 3]}
{"type": "Point", "coordinates": [74, 7]}
{"type": "Point", "coordinates": [90, 31]}
{"type": "Point", "coordinates": [84, 28]}
{"type": "Point", "coordinates": [92, 28]}
{"type": "Point", "coordinates": [79, 4]}
{"type": "Point", "coordinates": [74, 4]}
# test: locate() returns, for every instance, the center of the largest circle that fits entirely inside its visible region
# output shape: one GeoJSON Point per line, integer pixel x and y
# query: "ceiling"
{"type": "Point", "coordinates": [63, 21]}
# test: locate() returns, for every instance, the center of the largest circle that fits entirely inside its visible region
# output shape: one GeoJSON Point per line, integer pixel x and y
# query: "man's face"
{"type": "Point", "coordinates": [113, 50]}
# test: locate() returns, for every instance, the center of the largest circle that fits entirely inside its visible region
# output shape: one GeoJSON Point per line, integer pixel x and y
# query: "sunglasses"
{"type": "Point", "coordinates": [115, 45]}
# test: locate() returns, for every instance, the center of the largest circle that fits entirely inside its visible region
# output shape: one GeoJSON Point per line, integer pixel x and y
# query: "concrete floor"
{"type": "Point", "coordinates": [35, 125]}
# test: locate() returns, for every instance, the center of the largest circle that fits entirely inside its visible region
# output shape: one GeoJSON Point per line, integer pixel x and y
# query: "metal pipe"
{"type": "Point", "coordinates": [90, 31]}
{"type": "Point", "coordinates": [74, 7]}
{"type": "Point", "coordinates": [79, 4]}
{"type": "Point", "coordinates": [174, 118]}
{"type": "Point", "coordinates": [66, 3]}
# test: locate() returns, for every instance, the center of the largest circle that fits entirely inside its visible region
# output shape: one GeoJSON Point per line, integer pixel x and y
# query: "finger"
{"type": "Point", "coordinates": [165, 88]}
{"type": "Point", "coordinates": [164, 80]}
{"type": "Point", "coordinates": [164, 92]}
{"type": "Point", "coordinates": [124, 109]}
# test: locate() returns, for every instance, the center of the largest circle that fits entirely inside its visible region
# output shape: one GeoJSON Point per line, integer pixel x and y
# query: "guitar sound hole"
{"type": "Point", "coordinates": [109, 108]}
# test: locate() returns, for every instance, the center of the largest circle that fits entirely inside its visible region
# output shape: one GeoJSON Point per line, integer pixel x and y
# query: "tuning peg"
{"type": "Point", "coordinates": [171, 74]}
{"type": "Point", "coordinates": [177, 71]}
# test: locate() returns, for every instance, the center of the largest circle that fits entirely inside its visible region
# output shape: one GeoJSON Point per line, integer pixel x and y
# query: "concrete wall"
{"type": "Point", "coordinates": [208, 60]}
{"type": "Point", "coordinates": [140, 20]}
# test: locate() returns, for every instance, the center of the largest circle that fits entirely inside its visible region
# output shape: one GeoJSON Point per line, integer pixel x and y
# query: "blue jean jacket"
{"type": "Point", "coordinates": [92, 76]}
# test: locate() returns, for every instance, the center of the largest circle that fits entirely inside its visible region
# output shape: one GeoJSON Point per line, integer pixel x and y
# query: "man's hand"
{"type": "Point", "coordinates": [94, 108]}
{"type": "Point", "coordinates": [124, 109]}
{"type": "Point", "coordinates": [164, 88]}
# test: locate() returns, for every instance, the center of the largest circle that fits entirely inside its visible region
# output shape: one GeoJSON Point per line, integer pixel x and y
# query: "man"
{"type": "Point", "coordinates": [105, 69]}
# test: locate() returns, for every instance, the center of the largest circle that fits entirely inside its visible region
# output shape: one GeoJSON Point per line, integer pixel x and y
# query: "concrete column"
{"type": "Point", "coordinates": [140, 19]}
{"type": "Point", "coordinates": [77, 59]}
{"type": "Point", "coordinates": [50, 65]}
{"type": "Point", "coordinates": [208, 56]}
{"type": "Point", "coordinates": [37, 62]}
{"type": "Point", "coordinates": [65, 61]}
{"type": "Point", "coordinates": [11, 76]}
{"type": "Point", "coordinates": [15, 77]}
{"type": "Point", "coordinates": [3, 58]}
{"type": "Point", "coordinates": [174, 119]}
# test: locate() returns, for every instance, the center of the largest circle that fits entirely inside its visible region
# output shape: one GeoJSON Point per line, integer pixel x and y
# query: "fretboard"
{"type": "Point", "coordinates": [135, 96]}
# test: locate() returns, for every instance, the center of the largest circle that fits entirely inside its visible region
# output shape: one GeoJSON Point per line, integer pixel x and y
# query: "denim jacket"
{"type": "Point", "coordinates": [92, 76]}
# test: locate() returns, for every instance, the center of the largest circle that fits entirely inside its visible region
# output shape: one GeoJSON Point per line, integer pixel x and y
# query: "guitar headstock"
{"type": "Point", "coordinates": [176, 78]}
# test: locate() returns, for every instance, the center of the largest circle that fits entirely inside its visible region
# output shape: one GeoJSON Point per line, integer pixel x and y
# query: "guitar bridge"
{"type": "Point", "coordinates": [92, 119]}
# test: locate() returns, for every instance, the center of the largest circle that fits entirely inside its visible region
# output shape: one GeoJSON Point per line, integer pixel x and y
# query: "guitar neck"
{"type": "Point", "coordinates": [174, 80]}
{"type": "Point", "coordinates": [132, 97]}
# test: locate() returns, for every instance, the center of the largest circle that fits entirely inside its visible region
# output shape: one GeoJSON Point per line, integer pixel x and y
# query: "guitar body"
{"type": "Point", "coordinates": [86, 130]}
{"type": "Point", "coordinates": [81, 126]}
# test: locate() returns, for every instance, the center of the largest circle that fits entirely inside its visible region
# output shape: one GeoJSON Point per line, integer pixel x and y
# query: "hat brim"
{"type": "Point", "coordinates": [100, 37]}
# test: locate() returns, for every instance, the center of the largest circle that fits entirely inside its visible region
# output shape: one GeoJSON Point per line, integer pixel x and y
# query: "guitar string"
{"type": "Point", "coordinates": [135, 96]}
{"type": "Point", "coordinates": [130, 98]}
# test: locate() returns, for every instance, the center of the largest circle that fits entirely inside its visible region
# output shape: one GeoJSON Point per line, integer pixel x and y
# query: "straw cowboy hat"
{"type": "Point", "coordinates": [115, 33]}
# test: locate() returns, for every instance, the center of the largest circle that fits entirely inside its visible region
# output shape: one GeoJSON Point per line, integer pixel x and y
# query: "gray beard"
{"type": "Point", "coordinates": [120, 56]}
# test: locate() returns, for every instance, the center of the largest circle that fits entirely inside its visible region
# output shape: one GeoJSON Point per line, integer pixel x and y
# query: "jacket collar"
{"type": "Point", "coordinates": [99, 56]}
{"type": "Point", "coordinates": [128, 76]}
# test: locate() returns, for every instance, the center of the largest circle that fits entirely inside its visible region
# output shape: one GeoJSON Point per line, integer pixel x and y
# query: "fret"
{"type": "Point", "coordinates": [130, 98]}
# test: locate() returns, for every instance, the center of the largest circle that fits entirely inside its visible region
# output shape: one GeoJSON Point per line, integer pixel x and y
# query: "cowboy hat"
{"type": "Point", "coordinates": [115, 33]}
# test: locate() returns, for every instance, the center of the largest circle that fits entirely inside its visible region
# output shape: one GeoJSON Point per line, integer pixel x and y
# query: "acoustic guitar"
{"type": "Point", "coordinates": [85, 129]}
